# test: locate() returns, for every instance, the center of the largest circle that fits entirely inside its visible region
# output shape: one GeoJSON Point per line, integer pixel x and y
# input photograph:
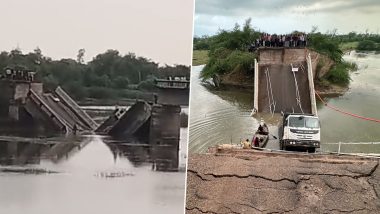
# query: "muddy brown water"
{"type": "Point", "coordinates": [223, 116]}
{"type": "Point", "coordinates": [91, 178]}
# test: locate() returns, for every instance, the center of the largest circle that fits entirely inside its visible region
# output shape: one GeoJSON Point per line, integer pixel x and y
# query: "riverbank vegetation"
{"type": "Point", "coordinates": [200, 57]}
{"type": "Point", "coordinates": [358, 41]}
{"type": "Point", "coordinates": [339, 71]}
{"type": "Point", "coordinates": [108, 75]}
{"type": "Point", "coordinates": [227, 52]}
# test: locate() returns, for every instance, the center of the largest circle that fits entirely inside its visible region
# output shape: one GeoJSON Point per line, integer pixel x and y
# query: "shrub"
{"type": "Point", "coordinates": [120, 82]}
{"type": "Point", "coordinates": [339, 74]}
{"type": "Point", "coordinates": [367, 45]}
{"type": "Point", "coordinates": [101, 93]}
{"type": "Point", "coordinates": [223, 61]}
{"type": "Point", "coordinates": [146, 86]}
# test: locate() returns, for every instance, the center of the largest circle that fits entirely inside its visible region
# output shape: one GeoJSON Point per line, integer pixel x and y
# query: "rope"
{"type": "Point", "coordinates": [354, 143]}
{"type": "Point", "coordinates": [298, 97]}
{"type": "Point", "coordinates": [270, 93]}
{"type": "Point", "coordinates": [345, 112]}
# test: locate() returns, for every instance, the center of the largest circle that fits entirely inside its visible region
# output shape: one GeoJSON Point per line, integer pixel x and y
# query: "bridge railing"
{"type": "Point", "coordinates": [177, 84]}
{"type": "Point", "coordinates": [311, 85]}
{"type": "Point", "coordinates": [53, 115]}
{"type": "Point", "coordinates": [362, 148]}
{"type": "Point", "coordinates": [256, 89]}
{"type": "Point", "coordinates": [76, 108]}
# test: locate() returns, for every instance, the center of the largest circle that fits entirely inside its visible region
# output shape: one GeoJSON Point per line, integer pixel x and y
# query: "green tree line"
{"type": "Point", "coordinates": [108, 75]}
{"type": "Point", "coordinates": [228, 51]}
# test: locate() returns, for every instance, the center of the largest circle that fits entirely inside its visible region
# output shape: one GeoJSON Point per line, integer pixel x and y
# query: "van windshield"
{"type": "Point", "coordinates": [303, 122]}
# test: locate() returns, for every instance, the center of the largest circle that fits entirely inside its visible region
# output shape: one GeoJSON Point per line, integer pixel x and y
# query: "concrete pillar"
{"type": "Point", "coordinates": [12, 149]}
{"type": "Point", "coordinates": [164, 136]}
{"type": "Point", "coordinates": [13, 111]}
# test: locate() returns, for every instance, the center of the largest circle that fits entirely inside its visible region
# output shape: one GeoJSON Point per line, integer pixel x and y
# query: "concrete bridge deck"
{"type": "Point", "coordinates": [283, 86]}
{"type": "Point", "coordinates": [59, 112]}
{"type": "Point", "coordinates": [284, 82]}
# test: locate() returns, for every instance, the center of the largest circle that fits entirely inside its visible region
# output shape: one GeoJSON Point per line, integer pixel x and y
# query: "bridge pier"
{"type": "Point", "coordinates": [14, 114]}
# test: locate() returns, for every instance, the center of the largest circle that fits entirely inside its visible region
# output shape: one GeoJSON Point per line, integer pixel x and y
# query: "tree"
{"type": "Point", "coordinates": [366, 45]}
{"type": "Point", "coordinates": [314, 29]}
{"type": "Point", "coordinates": [37, 51]}
{"type": "Point", "coordinates": [108, 75]}
{"type": "Point", "coordinates": [80, 55]}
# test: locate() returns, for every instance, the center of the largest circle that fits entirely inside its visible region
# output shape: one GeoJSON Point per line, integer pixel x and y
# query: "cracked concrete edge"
{"type": "Point", "coordinates": [295, 181]}
{"type": "Point", "coordinates": [369, 174]}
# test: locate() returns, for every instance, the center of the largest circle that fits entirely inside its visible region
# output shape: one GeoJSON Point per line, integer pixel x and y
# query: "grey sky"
{"type": "Point", "coordinates": [160, 30]}
{"type": "Point", "coordinates": [282, 16]}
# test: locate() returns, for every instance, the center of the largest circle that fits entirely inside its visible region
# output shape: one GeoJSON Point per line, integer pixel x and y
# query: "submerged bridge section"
{"type": "Point", "coordinates": [59, 110]}
{"type": "Point", "coordinates": [23, 101]}
{"type": "Point", "coordinates": [123, 123]}
{"type": "Point", "coordinates": [155, 126]}
{"type": "Point", "coordinates": [284, 81]}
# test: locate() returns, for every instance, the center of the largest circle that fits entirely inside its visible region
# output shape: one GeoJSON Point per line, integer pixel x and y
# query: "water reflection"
{"type": "Point", "coordinates": [23, 151]}
{"type": "Point", "coordinates": [91, 177]}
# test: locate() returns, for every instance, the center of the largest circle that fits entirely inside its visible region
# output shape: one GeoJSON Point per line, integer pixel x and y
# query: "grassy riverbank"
{"type": "Point", "coordinates": [348, 46]}
{"type": "Point", "coordinates": [200, 57]}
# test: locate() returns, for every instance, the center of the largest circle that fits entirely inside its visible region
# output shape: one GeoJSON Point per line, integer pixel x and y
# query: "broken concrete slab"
{"type": "Point", "coordinates": [261, 182]}
{"type": "Point", "coordinates": [127, 123]}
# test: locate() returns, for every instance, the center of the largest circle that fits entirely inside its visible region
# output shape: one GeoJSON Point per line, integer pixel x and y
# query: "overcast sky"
{"type": "Point", "coordinates": [282, 16]}
{"type": "Point", "coordinates": [159, 30]}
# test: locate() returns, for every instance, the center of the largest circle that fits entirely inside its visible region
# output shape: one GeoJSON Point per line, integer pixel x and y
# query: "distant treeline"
{"type": "Point", "coordinates": [228, 50]}
{"type": "Point", "coordinates": [109, 75]}
{"type": "Point", "coordinates": [364, 41]}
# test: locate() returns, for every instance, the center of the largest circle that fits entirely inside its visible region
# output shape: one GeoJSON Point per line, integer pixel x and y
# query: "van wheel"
{"type": "Point", "coordinates": [311, 150]}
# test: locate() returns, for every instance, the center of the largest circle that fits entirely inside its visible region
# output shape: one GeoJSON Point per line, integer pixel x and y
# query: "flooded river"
{"type": "Point", "coordinates": [87, 175]}
{"type": "Point", "coordinates": [218, 117]}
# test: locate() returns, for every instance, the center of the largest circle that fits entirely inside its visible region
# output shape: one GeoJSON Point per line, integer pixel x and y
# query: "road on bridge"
{"type": "Point", "coordinates": [281, 85]}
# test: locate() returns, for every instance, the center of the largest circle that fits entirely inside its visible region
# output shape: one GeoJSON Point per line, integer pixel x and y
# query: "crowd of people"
{"type": "Point", "coordinates": [282, 40]}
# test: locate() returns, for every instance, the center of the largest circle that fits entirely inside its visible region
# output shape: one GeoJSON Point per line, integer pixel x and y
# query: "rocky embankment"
{"type": "Point", "coordinates": [248, 181]}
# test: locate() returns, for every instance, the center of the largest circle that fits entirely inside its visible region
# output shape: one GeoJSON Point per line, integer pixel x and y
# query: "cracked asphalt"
{"type": "Point", "coordinates": [248, 181]}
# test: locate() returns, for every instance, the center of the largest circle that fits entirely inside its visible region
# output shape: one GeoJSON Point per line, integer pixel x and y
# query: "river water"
{"type": "Point", "coordinates": [89, 177]}
{"type": "Point", "coordinates": [219, 117]}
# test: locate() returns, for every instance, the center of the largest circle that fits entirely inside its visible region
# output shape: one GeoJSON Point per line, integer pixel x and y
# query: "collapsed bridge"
{"type": "Point", "coordinates": [284, 81]}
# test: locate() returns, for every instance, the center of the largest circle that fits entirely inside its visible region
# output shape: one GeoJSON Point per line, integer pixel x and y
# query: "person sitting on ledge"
{"type": "Point", "coordinates": [246, 144]}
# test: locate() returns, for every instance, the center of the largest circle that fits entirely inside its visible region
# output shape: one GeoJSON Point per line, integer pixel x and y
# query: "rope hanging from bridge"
{"type": "Point", "coordinates": [270, 93]}
{"type": "Point", "coordinates": [345, 112]}
{"type": "Point", "coordinates": [298, 97]}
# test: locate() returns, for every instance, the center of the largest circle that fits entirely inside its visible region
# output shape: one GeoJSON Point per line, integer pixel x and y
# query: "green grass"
{"type": "Point", "coordinates": [347, 46]}
{"type": "Point", "coordinates": [200, 57]}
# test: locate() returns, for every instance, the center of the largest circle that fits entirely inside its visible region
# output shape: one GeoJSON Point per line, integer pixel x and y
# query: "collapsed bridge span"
{"type": "Point", "coordinates": [284, 81]}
